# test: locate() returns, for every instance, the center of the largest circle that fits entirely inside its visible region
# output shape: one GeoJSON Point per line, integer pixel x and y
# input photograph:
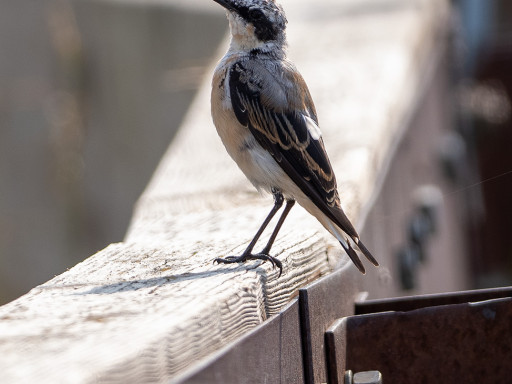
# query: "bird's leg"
{"type": "Point", "coordinates": [247, 254]}
{"type": "Point", "coordinates": [278, 203]}
{"type": "Point", "coordinates": [287, 209]}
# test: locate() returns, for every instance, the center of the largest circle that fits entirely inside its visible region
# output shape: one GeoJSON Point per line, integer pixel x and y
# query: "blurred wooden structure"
{"type": "Point", "coordinates": [155, 309]}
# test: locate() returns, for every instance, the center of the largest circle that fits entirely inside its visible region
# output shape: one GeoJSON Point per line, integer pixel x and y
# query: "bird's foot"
{"type": "Point", "coordinates": [259, 256]}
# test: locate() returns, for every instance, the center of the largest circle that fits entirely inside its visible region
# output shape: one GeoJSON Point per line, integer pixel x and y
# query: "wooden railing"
{"type": "Point", "coordinates": [155, 308]}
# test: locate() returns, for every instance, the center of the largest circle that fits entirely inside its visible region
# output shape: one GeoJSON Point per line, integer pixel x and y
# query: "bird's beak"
{"type": "Point", "coordinates": [226, 4]}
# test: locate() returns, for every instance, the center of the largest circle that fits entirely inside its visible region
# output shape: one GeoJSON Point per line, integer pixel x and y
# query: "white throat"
{"type": "Point", "coordinates": [244, 39]}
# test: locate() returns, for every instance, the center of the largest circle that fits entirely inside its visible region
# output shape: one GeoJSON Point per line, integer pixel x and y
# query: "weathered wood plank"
{"type": "Point", "coordinates": [150, 307]}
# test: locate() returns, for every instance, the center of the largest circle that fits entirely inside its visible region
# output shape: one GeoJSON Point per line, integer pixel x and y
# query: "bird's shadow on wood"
{"type": "Point", "coordinates": [138, 284]}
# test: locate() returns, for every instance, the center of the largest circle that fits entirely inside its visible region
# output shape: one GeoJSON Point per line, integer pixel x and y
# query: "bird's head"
{"type": "Point", "coordinates": [256, 24]}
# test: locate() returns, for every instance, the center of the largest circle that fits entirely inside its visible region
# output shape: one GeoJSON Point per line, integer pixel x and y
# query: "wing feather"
{"type": "Point", "coordinates": [285, 134]}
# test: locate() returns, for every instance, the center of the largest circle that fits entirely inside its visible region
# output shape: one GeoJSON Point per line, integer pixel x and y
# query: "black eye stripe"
{"type": "Point", "coordinates": [256, 14]}
{"type": "Point", "coordinates": [264, 29]}
{"type": "Point", "coordinates": [252, 15]}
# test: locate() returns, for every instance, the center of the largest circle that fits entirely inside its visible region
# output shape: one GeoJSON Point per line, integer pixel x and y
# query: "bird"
{"type": "Point", "coordinates": [266, 119]}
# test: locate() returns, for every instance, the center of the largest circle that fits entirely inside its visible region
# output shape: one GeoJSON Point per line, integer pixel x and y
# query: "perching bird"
{"type": "Point", "coordinates": [265, 117]}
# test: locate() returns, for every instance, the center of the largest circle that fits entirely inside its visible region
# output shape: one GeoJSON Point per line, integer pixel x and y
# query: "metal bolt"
{"type": "Point", "coordinates": [368, 377]}
{"type": "Point", "coordinates": [349, 378]}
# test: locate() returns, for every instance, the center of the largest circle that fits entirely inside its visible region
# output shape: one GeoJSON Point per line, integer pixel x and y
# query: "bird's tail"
{"type": "Point", "coordinates": [353, 255]}
{"type": "Point", "coordinates": [365, 251]}
{"type": "Point", "coordinates": [347, 246]}
{"type": "Point", "coordinates": [347, 236]}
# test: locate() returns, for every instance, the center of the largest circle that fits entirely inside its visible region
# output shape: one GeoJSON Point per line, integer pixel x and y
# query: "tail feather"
{"type": "Point", "coordinates": [366, 252]}
{"type": "Point", "coordinates": [346, 239]}
{"type": "Point", "coordinates": [353, 256]}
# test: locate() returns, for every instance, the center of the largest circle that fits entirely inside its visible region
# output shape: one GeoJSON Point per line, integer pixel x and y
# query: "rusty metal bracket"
{"type": "Point", "coordinates": [409, 303]}
{"type": "Point", "coordinates": [461, 337]}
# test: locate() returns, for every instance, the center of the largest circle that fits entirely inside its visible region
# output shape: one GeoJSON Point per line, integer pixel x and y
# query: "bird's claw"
{"type": "Point", "coordinates": [259, 256]}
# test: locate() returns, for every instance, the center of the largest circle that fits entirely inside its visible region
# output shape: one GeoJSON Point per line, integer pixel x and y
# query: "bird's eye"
{"type": "Point", "coordinates": [256, 14]}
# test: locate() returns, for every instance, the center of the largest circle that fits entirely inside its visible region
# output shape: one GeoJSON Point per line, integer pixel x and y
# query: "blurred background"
{"type": "Point", "coordinates": [91, 94]}
{"type": "Point", "coordinates": [93, 91]}
{"type": "Point", "coordinates": [484, 81]}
